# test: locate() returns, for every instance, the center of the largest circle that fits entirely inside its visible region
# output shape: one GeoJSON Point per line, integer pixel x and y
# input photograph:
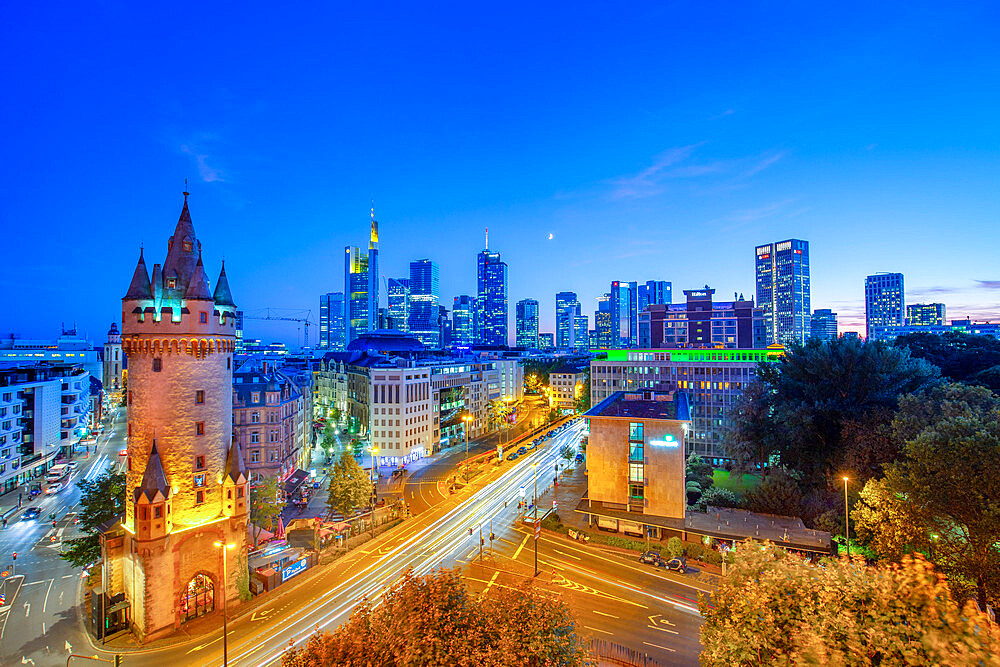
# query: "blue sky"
{"type": "Point", "coordinates": [659, 142]}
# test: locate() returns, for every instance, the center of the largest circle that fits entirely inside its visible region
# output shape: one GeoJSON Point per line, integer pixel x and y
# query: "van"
{"type": "Point", "coordinates": [57, 473]}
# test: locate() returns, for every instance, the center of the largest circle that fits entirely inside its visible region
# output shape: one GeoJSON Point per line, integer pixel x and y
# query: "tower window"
{"type": "Point", "coordinates": [157, 364]}
{"type": "Point", "coordinates": [199, 462]}
{"type": "Point", "coordinates": [157, 512]}
{"type": "Point", "coordinates": [228, 361]}
{"type": "Point", "coordinates": [239, 492]}
{"type": "Point", "coordinates": [203, 317]}
{"type": "Point", "coordinates": [199, 498]}
{"type": "Point", "coordinates": [130, 398]}
{"type": "Point", "coordinates": [199, 396]}
{"type": "Point", "coordinates": [199, 428]}
{"type": "Point", "coordinates": [199, 481]}
{"type": "Point", "coordinates": [171, 283]}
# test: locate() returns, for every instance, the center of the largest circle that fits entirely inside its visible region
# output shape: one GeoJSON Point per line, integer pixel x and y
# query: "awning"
{"type": "Point", "coordinates": [295, 480]}
{"type": "Point", "coordinates": [266, 560]}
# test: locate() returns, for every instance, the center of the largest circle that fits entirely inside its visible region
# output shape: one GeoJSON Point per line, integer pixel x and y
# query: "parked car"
{"type": "Point", "coordinates": [652, 558]}
{"type": "Point", "coordinates": [579, 457]}
{"type": "Point", "coordinates": [30, 513]}
{"type": "Point", "coordinates": [512, 456]}
{"type": "Point", "coordinates": [677, 564]}
{"type": "Point", "coordinates": [522, 450]}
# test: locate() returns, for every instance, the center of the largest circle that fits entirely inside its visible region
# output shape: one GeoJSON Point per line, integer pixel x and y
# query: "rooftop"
{"type": "Point", "coordinates": [645, 404]}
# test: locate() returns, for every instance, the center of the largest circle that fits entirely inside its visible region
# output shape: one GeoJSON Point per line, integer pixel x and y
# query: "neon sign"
{"type": "Point", "coordinates": [668, 441]}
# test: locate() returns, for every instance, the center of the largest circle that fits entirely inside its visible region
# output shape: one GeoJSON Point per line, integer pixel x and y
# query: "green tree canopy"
{"type": "Point", "coordinates": [102, 499]}
{"type": "Point", "coordinates": [265, 505]}
{"type": "Point", "coordinates": [350, 486]}
{"type": "Point", "coordinates": [960, 356]}
{"type": "Point", "coordinates": [434, 620]}
{"type": "Point", "coordinates": [776, 608]}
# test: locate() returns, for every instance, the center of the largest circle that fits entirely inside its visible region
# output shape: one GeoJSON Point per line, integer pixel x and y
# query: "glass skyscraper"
{"type": "Point", "coordinates": [491, 299]}
{"type": "Point", "coordinates": [783, 290]}
{"type": "Point", "coordinates": [824, 324]}
{"type": "Point", "coordinates": [526, 323]}
{"type": "Point", "coordinates": [361, 287]}
{"type": "Point", "coordinates": [624, 314]}
{"type": "Point", "coordinates": [331, 321]}
{"type": "Point", "coordinates": [424, 314]}
{"type": "Point", "coordinates": [581, 331]}
{"type": "Point", "coordinates": [654, 291]}
{"type": "Point", "coordinates": [462, 316]}
{"type": "Point", "coordinates": [398, 294]}
{"type": "Point", "coordinates": [602, 322]}
{"type": "Point", "coordinates": [885, 303]}
{"type": "Point", "coordinates": [567, 308]}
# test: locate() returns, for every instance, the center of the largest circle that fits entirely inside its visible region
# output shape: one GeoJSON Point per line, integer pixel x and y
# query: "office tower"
{"type": "Point", "coordinates": [526, 323]}
{"type": "Point", "coordinates": [567, 308]}
{"type": "Point", "coordinates": [824, 324]}
{"type": "Point", "coordinates": [361, 287]}
{"type": "Point", "coordinates": [654, 291]}
{"type": "Point", "coordinates": [702, 322]}
{"type": "Point", "coordinates": [492, 295]}
{"type": "Point", "coordinates": [444, 327]}
{"type": "Point", "coordinates": [885, 304]}
{"type": "Point", "coordinates": [185, 482]}
{"type": "Point", "coordinates": [462, 316]}
{"type": "Point", "coordinates": [602, 322]}
{"type": "Point", "coordinates": [546, 341]}
{"type": "Point", "coordinates": [423, 321]}
{"type": "Point", "coordinates": [783, 290]}
{"type": "Point", "coordinates": [624, 311]}
{"type": "Point", "coordinates": [925, 314]}
{"type": "Point", "coordinates": [581, 331]}
{"type": "Point", "coordinates": [398, 294]}
{"type": "Point", "coordinates": [331, 321]}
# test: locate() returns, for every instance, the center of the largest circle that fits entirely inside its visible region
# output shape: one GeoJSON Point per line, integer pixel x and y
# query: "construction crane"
{"type": "Point", "coordinates": [285, 315]}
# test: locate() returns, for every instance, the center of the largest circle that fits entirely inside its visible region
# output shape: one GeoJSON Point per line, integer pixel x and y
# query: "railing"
{"type": "Point", "coordinates": [609, 653]}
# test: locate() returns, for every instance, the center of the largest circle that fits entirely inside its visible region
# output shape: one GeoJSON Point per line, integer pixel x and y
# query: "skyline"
{"type": "Point", "coordinates": [873, 142]}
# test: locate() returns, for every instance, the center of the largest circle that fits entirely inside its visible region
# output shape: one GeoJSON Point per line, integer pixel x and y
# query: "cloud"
{"type": "Point", "coordinates": [989, 284]}
{"type": "Point", "coordinates": [649, 181]}
{"type": "Point", "coordinates": [208, 173]}
{"type": "Point", "coordinates": [745, 216]}
{"type": "Point", "coordinates": [727, 112]}
{"type": "Point", "coordinates": [764, 163]}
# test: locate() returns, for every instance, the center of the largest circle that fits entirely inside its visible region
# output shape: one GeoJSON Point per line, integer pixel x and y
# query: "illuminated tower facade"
{"type": "Point", "coordinates": [186, 487]}
{"type": "Point", "coordinates": [361, 287]}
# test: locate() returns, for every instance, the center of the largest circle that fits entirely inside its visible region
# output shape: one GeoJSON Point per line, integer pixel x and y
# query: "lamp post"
{"type": "Point", "coordinates": [847, 525]}
{"type": "Point", "coordinates": [535, 526]}
{"type": "Point", "coordinates": [466, 419]}
{"type": "Point", "coordinates": [225, 590]}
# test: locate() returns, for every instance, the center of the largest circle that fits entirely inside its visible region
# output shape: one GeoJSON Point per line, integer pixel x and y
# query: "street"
{"type": "Point", "coordinates": [40, 618]}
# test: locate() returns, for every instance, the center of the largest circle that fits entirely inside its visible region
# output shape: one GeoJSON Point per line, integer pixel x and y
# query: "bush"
{"type": "Point", "coordinates": [718, 497]}
{"type": "Point", "coordinates": [675, 547]}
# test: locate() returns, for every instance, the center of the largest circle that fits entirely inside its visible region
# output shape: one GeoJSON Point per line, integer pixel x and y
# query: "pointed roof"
{"type": "Point", "coordinates": [198, 287]}
{"type": "Point", "coordinates": [139, 287]}
{"type": "Point", "coordinates": [153, 478]}
{"type": "Point", "coordinates": [223, 297]}
{"type": "Point", "coordinates": [181, 259]}
{"type": "Point", "coordinates": [235, 470]}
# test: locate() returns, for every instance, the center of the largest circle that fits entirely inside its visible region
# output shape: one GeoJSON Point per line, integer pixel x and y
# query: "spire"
{"type": "Point", "coordinates": [139, 287]}
{"type": "Point", "coordinates": [487, 238]}
{"type": "Point", "coordinates": [153, 478]}
{"type": "Point", "coordinates": [198, 287]}
{"type": "Point", "coordinates": [235, 470]}
{"type": "Point", "coordinates": [181, 258]}
{"type": "Point", "coordinates": [373, 241]}
{"type": "Point", "coordinates": [222, 296]}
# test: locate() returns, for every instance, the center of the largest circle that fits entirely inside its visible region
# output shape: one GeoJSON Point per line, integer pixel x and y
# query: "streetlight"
{"type": "Point", "coordinates": [225, 589]}
{"type": "Point", "coordinates": [847, 525]}
{"type": "Point", "coordinates": [535, 526]}
{"type": "Point", "coordinates": [467, 419]}
{"type": "Point", "coordinates": [374, 451]}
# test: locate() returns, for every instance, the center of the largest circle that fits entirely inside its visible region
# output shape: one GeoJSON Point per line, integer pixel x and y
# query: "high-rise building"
{"type": "Point", "coordinates": [925, 314]}
{"type": "Point", "coordinates": [654, 291]}
{"type": "Point", "coordinates": [462, 320]}
{"type": "Point", "coordinates": [567, 308]}
{"type": "Point", "coordinates": [885, 303]}
{"type": "Point", "coordinates": [361, 287]}
{"type": "Point", "coordinates": [824, 324]}
{"type": "Point", "coordinates": [186, 486]}
{"type": "Point", "coordinates": [624, 314]}
{"type": "Point", "coordinates": [783, 290]}
{"type": "Point", "coordinates": [492, 298]}
{"type": "Point", "coordinates": [602, 322]}
{"type": "Point", "coordinates": [331, 321]}
{"type": "Point", "coordinates": [702, 322]}
{"type": "Point", "coordinates": [114, 364]}
{"type": "Point", "coordinates": [526, 323]}
{"type": "Point", "coordinates": [546, 341]}
{"type": "Point", "coordinates": [397, 292]}
{"type": "Point", "coordinates": [423, 321]}
{"type": "Point", "coordinates": [581, 331]}
{"type": "Point", "coordinates": [444, 327]}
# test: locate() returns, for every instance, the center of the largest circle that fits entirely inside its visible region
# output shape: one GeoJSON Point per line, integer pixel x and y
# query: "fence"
{"type": "Point", "coordinates": [609, 653]}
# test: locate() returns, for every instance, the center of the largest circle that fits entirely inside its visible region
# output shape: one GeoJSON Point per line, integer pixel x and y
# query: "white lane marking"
{"type": "Point", "coordinates": [658, 646]}
{"type": "Point", "coordinates": [46, 600]}
{"type": "Point", "coordinates": [601, 613]}
{"type": "Point", "coordinates": [598, 630]}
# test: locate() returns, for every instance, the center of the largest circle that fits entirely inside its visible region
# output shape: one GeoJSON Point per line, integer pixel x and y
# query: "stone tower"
{"type": "Point", "coordinates": [113, 363]}
{"type": "Point", "coordinates": [186, 486]}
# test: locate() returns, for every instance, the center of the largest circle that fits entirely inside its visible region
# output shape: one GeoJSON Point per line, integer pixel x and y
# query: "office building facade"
{"type": "Point", "coordinates": [885, 304]}
{"type": "Point", "coordinates": [462, 320]}
{"type": "Point", "coordinates": [925, 314]}
{"type": "Point", "coordinates": [824, 324]}
{"type": "Point", "coordinates": [423, 315]}
{"type": "Point", "coordinates": [361, 287]}
{"type": "Point", "coordinates": [526, 323]}
{"type": "Point", "coordinates": [654, 291]}
{"type": "Point", "coordinates": [702, 322]}
{"type": "Point", "coordinates": [783, 290]}
{"type": "Point", "coordinates": [624, 314]}
{"type": "Point", "coordinates": [581, 333]}
{"type": "Point", "coordinates": [397, 293]}
{"type": "Point", "coordinates": [567, 308]}
{"type": "Point", "coordinates": [331, 321]}
{"type": "Point", "coordinates": [491, 299]}
{"type": "Point", "coordinates": [602, 324]}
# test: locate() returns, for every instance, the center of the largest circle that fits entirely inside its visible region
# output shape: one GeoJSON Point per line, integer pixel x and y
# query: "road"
{"type": "Point", "coordinates": [40, 618]}
{"type": "Point", "coordinates": [441, 536]}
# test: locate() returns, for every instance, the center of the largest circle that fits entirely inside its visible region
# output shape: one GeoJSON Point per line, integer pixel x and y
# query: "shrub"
{"type": "Point", "coordinates": [675, 547]}
{"type": "Point", "coordinates": [718, 497]}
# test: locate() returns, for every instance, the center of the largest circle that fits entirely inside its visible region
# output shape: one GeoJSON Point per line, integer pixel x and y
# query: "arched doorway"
{"type": "Point", "coordinates": [198, 598]}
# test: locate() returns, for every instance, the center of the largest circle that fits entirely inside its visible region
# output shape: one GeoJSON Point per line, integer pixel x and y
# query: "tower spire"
{"type": "Point", "coordinates": [186, 193]}
{"type": "Point", "coordinates": [373, 241]}
{"type": "Point", "coordinates": [487, 238]}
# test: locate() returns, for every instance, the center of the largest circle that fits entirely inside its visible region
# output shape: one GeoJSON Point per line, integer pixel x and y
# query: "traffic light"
{"type": "Point", "coordinates": [15, 555]}
{"type": "Point", "coordinates": [118, 660]}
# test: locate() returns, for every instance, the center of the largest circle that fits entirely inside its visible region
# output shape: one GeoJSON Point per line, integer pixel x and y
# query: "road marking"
{"type": "Point", "coordinates": [46, 600]}
{"type": "Point", "coordinates": [658, 646]}
{"type": "Point", "coordinates": [263, 613]}
{"type": "Point", "coordinates": [68, 576]}
{"type": "Point", "coordinates": [598, 630]}
{"type": "Point", "coordinates": [27, 609]}
{"type": "Point", "coordinates": [603, 614]}
{"type": "Point", "coordinates": [492, 579]}
{"type": "Point", "coordinates": [566, 554]}
{"type": "Point", "coordinates": [43, 627]}
{"type": "Point", "coordinates": [656, 627]}
{"type": "Point", "coordinates": [32, 583]}
{"type": "Point", "coordinates": [518, 552]}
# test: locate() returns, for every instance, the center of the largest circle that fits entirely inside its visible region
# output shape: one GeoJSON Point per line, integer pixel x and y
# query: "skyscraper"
{"type": "Point", "coordinates": [581, 331]}
{"type": "Point", "coordinates": [925, 314]}
{"type": "Point", "coordinates": [654, 291]}
{"type": "Point", "coordinates": [526, 323]}
{"type": "Point", "coordinates": [492, 298]}
{"type": "Point", "coordinates": [885, 303]}
{"type": "Point", "coordinates": [398, 294]}
{"type": "Point", "coordinates": [783, 290]}
{"type": "Point", "coordinates": [462, 320]}
{"type": "Point", "coordinates": [567, 308]}
{"type": "Point", "coordinates": [423, 321]}
{"type": "Point", "coordinates": [624, 311]}
{"type": "Point", "coordinates": [361, 287]}
{"type": "Point", "coordinates": [824, 324]}
{"type": "Point", "coordinates": [602, 322]}
{"type": "Point", "coordinates": [331, 321]}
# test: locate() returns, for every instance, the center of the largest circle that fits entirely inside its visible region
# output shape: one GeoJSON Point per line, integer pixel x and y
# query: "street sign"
{"type": "Point", "coordinates": [538, 529]}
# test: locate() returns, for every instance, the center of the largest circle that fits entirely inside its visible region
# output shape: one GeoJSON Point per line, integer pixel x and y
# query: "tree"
{"type": "Point", "coordinates": [434, 620]}
{"type": "Point", "coordinates": [497, 412]}
{"type": "Point", "coordinates": [960, 356]}
{"type": "Point", "coordinates": [335, 414]}
{"type": "Point", "coordinates": [567, 452]}
{"type": "Point", "coordinates": [582, 402]}
{"type": "Point", "coordinates": [774, 607]}
{"type": "Point", "coordinates": [867, 444]}
{"type": "Point", "coordinates": [102, 499]}
{"type": "Point", "coordinates": [532, 383]}
{"type": "Point", "coordinates": [809, 394]}
{"type": "Point", "coordinates": [265, 505]}
{"type": "Point", "coordinates": [946, 486]}
{"type": "Point", "coordinates": [778, 493]}
{"type": "Point", "coordinates": [749, 435]}
{"type": "Point", "coordinates": [717, 497]}
{"type": "Point", "coordinates": [350, 486]}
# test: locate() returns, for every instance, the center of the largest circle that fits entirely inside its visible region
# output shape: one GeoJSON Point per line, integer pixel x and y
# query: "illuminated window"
{"type": "Point", "coordinates": [171, 283]}
{"type": "Point", "coordinates": [199, 481]}
{"type": "Point", "coordinates": [635, 472]}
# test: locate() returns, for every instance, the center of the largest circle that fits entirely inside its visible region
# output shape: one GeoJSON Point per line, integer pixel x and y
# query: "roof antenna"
{"type": "Point", "coordinates": [487, 238]}
{"type": "Point", "coordinates": [186, 193]}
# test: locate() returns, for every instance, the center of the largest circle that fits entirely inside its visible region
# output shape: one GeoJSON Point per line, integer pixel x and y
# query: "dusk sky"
{"type": "Point", "coordinates": [657, 143]}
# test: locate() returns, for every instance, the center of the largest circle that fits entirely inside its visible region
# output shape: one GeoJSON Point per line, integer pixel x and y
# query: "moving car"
{"type": "Point", "coordinates": [54, 487]}
{"type": "Point", "coordinates": [30, 513]}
